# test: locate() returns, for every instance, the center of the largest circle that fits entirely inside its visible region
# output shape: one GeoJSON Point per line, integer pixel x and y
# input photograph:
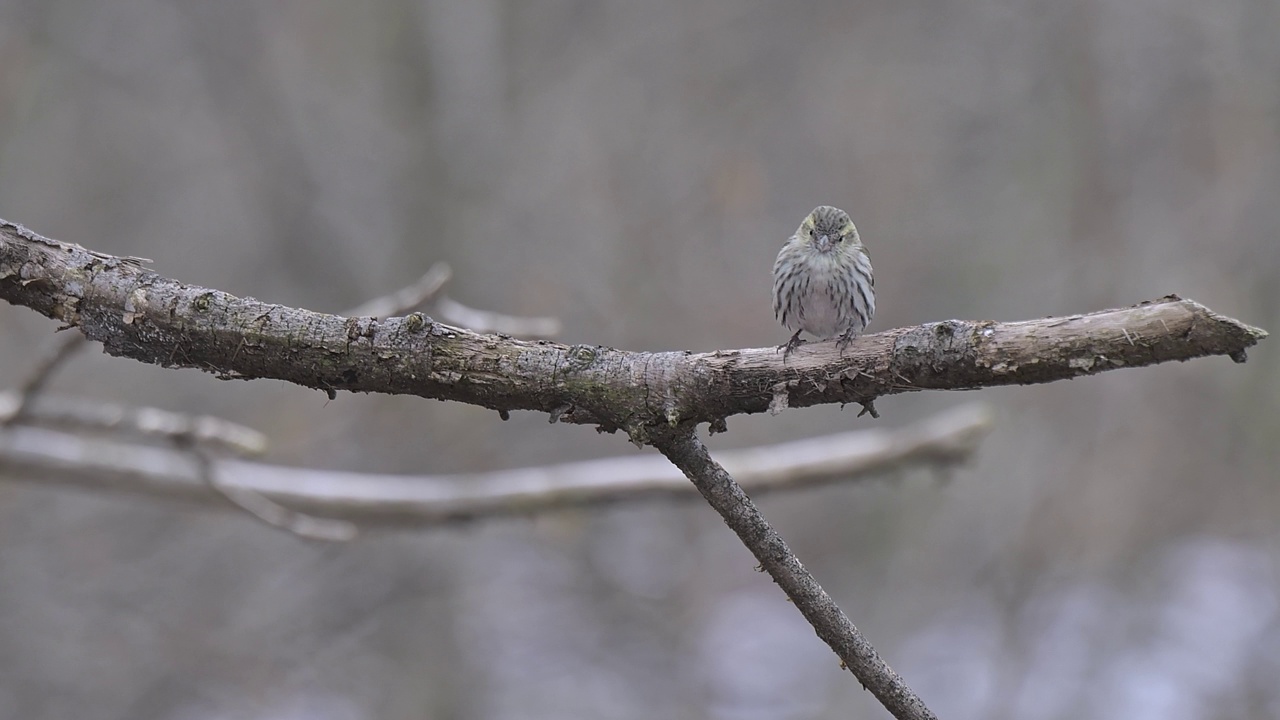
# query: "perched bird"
{"type": "Point", "coordinates": [822, 281]}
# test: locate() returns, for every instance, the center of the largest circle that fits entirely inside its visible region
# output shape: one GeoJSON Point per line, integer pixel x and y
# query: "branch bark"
{"type": "Point", "coordinates": [141, 315]}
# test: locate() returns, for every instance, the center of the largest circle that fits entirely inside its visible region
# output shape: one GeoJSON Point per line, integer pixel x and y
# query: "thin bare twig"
{"type": "Point", "coordinates": [198, 437]}
{"type": "Point", "coordinates": [145, 421]}
{"type": "Point", "coordinates": [406, 299]}
{"type": "Point", "coordinates": [64, 347]}
{"type": "Point", "coordinates": [484, 321]}
{"type": "Point", "coordinates": [427, 289]}
{"type": "Point", "coordinates": [267, 510]}
{"type": "Point", "coordinates": [683, 448]}
{"type": "Point", "coordinates": [195, 436]}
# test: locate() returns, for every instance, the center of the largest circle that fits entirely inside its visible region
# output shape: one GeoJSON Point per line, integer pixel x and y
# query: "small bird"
{"type": "Point", "coordinates": [822, 281]}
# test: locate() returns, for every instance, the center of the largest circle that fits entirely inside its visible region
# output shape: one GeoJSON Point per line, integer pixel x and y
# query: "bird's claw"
{"type": "Point", "coordinates": [844, 341]}
{"type": "Point", "coordinates": [790, 345]}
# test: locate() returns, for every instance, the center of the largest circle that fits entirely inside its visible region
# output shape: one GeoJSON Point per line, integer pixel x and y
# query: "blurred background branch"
{"type": "Point", "coordinates": [45, 456]}
{"type": "Point", "coordinates": [408, 298]}
{"type": "Point", "coordinates": [427, 290]}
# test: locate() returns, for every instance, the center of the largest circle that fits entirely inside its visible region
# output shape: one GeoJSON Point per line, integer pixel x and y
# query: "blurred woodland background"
{"type": "Point", "coordinates": [632, 168]}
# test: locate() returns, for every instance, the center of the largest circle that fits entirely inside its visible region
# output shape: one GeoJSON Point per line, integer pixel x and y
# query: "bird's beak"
{"type": "Point", "coordinates": [823, 242]}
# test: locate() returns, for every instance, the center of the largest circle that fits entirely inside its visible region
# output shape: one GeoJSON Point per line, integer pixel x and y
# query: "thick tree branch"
{"type": "Point", "coordinates": [43, 456]}
{"type": "Point", "coordinates": [141, 315]}
{"type": "Point", "coordinates": [683, 448]}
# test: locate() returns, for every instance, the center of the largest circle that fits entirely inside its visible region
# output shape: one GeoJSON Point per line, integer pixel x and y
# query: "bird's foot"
{"type": "Point", "coordinates": [790, 345]}
{"type": "Point", "coordinates": [869, 408]}
{"type": "Point", "coordinates": [846, 338]}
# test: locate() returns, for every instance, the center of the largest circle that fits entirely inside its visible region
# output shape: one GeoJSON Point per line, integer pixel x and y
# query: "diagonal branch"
{"type": "Point", "coordinates": [683, 448]}
{"type": "Point", "coordinates": [141, 315]}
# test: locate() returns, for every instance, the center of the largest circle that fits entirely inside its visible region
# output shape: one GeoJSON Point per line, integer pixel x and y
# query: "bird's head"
{"type": "Point", "coordinates": [829, 229]}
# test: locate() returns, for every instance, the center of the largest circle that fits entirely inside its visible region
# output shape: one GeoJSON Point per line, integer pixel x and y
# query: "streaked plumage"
{"type": "Point", "coordinates": [822, 280]}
